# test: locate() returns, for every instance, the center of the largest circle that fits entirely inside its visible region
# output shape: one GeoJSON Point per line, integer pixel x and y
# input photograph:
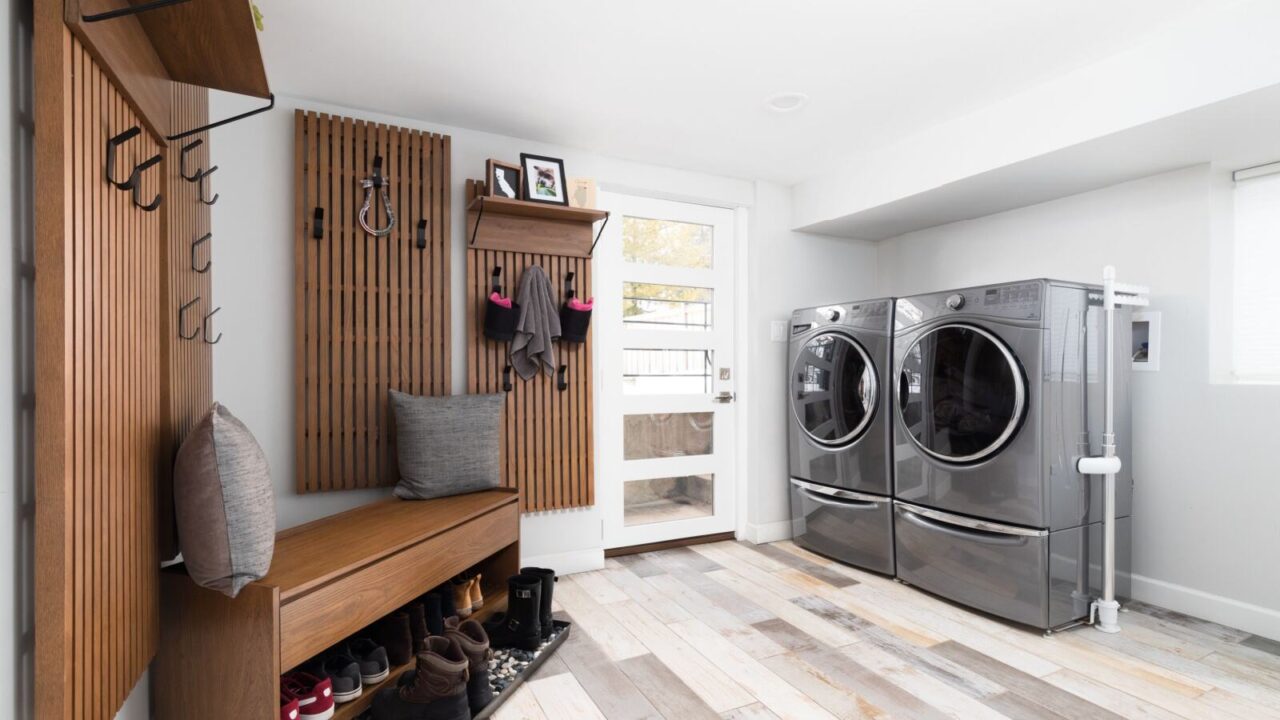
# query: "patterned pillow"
{"type": "Point", "coordinates": [447, 445]}
{"type": "Point", "coordinates": [225, 504]}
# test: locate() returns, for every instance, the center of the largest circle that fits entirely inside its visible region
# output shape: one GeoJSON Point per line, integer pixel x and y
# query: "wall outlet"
{"type": "Point", "coordinates": [778, 331]}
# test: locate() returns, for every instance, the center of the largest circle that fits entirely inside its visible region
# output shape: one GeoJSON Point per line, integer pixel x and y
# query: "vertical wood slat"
{"type": "Point", "coordinates": [547, 440]}
{"type": "Point", "coordinates": [100, 370]}
{"type": "Point", "coordinates": [371, 313]}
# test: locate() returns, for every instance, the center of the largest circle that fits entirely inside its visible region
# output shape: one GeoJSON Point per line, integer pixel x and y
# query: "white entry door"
{"type": "Point", "coordinates": [665, 342]}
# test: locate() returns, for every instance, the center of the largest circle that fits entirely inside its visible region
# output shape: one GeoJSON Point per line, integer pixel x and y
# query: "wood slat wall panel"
{"type": "Point", "coordinates": [547, 442]}
{"type": "Point", "coordinates": [372, 314]}
{"type": "Point", "coordinates": [99, 376]}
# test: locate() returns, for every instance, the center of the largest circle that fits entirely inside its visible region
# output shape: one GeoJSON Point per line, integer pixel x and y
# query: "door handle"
{"type": "Point", "coordinates": [724, 396]}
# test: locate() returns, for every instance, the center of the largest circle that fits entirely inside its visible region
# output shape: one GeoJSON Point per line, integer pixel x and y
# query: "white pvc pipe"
{"type": "Point", "coordinates": [1107, 607]}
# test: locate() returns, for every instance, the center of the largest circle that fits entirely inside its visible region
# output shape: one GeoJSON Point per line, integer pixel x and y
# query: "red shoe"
{"type": "Point", "coordinates": [288, 706]}
{"type": "Point", "coordinates": [315, 696]}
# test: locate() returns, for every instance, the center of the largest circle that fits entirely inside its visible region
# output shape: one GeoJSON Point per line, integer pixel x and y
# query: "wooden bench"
{"type": "Point", "coordinates": [221, 658]}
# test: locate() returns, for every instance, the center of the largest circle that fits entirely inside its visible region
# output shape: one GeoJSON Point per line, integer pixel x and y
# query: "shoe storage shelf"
{"type": "Point", "coordinates": [222, 658]}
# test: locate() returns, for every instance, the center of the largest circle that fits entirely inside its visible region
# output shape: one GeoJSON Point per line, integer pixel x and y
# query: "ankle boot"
{"type": "Point", "coordinates": [474, 642]}
{"type": "Point", "coordinates": [445, 592]}
{"type": "Point", "coordinates": [394, 635]}
{"type": "Point", "coordinates": [548, 578]}
{"type": "Point", "coordinates": [461, 596]}
{"type": "Point", "coordinates": [477, 599]}
{"type": "Point", "coordinates": [435, 690]}
{"type": "Point", "coordinates": [431, 612]}
{"type": "Point", "coordinates": [417, 625]}
{"type": "Point", "coordinates": [520, 625]}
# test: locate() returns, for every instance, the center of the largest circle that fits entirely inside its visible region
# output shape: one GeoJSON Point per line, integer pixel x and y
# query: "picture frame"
{"type": "Point", "coordinates": [502, 180]}
{"type": "Point", "coordinates": [1145, 353]}
{"type": "Point", "coordinates": [582, 193]}
{"type": "Point", "coordinates": [544, 180]}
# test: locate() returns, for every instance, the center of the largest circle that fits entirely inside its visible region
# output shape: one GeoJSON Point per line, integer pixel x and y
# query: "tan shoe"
{"type": "Point", "coordinates": [477, 598]}
{"type": "Point", "coordinates": [462, 597]}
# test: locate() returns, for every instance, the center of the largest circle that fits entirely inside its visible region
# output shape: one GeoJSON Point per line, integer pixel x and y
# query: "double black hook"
{"type": "Point", "coordinates": [199, 175]}
{"type": "Point", "coordinates": [133, 183]}
{"type": "Point", "coordinates": [204, 325]}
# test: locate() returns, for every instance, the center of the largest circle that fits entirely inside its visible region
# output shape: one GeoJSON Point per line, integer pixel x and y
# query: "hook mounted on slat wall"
{"type": "Point", "coordinates": [568, 287]}
{"type": "Point", "coordinates": [133, 183]}
{"type": "Point", "coordinates": [205, 327]}
{"type": "Point", "coordinates": [422, 234]}
{"type": "Point", "coordinates": [182, 316]}
{"type": "Point", "coordinates": [378, 183]}
{"type": "Point", "coordinates": [506, 379]}
{"type": "Point", "coordinates": [495, 281]}
{"type": "Point", "coordinates": [562, 383]}
{"type": "Point", "coordinates": [195, 251]}
{"type": "Point", "coordinates": [182, 162]}
{"type": "Point", "coordinates": [317, 224]}
{"type": "Point", "coordinates": [204, 176]}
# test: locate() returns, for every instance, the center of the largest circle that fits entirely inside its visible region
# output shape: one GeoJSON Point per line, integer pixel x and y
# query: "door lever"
{"type": "Point", "coordinates": [724, 396]}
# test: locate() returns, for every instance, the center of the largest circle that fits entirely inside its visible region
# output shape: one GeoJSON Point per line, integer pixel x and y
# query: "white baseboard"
{"type": "Point", "coordinates": [759, 534]}
{"type": "Point", "coordinates": [568, 563]}
{"type": "Point", "coordinates": [1224, 610]}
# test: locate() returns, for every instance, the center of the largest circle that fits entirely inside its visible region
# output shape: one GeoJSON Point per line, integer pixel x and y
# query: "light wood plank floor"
{"type": "Point", "coordinates": [733, 630]}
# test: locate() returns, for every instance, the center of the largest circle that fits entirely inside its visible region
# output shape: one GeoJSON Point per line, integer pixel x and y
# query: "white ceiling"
{"type": "Point", "coordinates": [683, 83]}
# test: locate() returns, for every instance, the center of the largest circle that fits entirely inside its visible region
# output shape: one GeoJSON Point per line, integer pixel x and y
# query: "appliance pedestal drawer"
{"type": "Point", "coordinates": [1001, 569]}
{"type": "Point", "coordinates": [854, 528]}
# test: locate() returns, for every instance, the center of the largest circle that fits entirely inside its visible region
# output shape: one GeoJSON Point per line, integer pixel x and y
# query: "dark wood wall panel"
{"type": "Point", "coordinates": [98, 387]}
{"type": "Point", "coordinates": [372, 313]}
{"type": "Point", "coordinates": [547, 433]}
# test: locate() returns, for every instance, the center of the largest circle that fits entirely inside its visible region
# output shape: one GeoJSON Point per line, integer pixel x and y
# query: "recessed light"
{"type": "Point", "coordinates": [787, 101]}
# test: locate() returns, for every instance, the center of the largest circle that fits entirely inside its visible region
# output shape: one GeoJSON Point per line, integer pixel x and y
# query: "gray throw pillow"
{"type": "Point", "coordinates": [224, 504]}
{"type": "Point", "coordinates": [448, 444]}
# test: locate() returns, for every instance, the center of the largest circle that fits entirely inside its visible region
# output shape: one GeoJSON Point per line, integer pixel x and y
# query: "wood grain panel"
{"type": "Point", "coordinates": [372, 313]}
{"type": "Point", "coordinates": [98, 383]}
{"type": "Point", "coordinates": [547, 442]}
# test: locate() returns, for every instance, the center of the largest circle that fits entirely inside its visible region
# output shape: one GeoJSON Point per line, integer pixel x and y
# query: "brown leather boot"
{"type": "Point", "coordinates": [435, 690]}
{"type": "Point", "coordinates": [474, 642]}
{"type": "Point", "coordinates": [477, 597]}
{"type": "Point", "coordinates": [462, 596]}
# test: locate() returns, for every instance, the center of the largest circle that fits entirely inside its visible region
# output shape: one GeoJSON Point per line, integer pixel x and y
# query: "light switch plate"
{"type": "Point", "coordinates": [778, 331]}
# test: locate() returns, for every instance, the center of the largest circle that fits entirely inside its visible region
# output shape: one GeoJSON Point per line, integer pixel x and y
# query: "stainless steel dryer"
{"type": "Point", "coordinates": [999, 394]}
{"type": "Point", "coordinates": [840, 432]}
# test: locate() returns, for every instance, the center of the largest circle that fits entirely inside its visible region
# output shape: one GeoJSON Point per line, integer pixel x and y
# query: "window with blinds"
{"type": "Point", "coordinates": [1256, 288]}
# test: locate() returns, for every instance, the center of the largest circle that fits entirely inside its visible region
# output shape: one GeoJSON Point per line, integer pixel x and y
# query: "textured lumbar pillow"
{"type": "Point", "coordinates": [447, 444]}
{"type": "Point", "coordinates": [225, 504]}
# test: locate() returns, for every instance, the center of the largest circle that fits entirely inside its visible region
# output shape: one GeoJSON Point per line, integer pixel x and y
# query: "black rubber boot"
{"type": "Point", "coordinates": [445, 593]}
{"type": "Point", "coordinates": [417, 625]}
{"type": "Point", "coordinates": [520, 626]}
{"type": "Point", "coordinates": [432, 613]}
{"type": "Point", "coordinates": [548, 577]}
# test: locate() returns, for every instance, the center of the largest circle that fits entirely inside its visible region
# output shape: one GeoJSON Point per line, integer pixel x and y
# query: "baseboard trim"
{"type": "Point", "coordinates": [759, 534]}
{"type": "Point", "coordinates": [567, 563]}
{"type": "Point", "coordinates": [1224, 610]}
{"type": "Point", "coordinates": [667, 544]}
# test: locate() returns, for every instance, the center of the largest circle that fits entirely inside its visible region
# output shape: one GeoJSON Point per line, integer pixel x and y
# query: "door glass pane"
{"type": "Point", "coordinates": [666, 242]}
{"type": "Point", "coordinates": [667, 499]}
{"type": "Point", "coordinates": [666, 307]}
{"type": "Point", "coordinates": [663, 435]}
{"type": "Point", "coordinates": [833, 389]}
{"type": "Point", "coordinates": [666, 372]}
{"type": "Point", "coordinates": [961, 396]}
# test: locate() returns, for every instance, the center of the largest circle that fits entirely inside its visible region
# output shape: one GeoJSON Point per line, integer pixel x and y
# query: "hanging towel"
{"type": "Point", "coordinates": [538, 327]}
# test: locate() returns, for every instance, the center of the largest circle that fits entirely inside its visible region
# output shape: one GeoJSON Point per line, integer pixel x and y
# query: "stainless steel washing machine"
{"type": "Point", "coordinates": [999, 394]}
{"type": "Point", "coordinates": [840, 432]}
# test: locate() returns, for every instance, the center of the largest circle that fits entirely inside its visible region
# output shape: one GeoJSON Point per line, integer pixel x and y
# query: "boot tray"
{"type": "Point", "coordinates": [527, 669]}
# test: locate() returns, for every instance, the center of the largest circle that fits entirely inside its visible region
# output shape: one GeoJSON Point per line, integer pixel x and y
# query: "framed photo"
{"type": "Point", "coordinates": [544, 179]}
{"type": "Point", "coordinates": [582, 193]}
{"type": "Point", "coordinates": [502, 179]}
{"type": "Point", "coordinates": [1146, 341]}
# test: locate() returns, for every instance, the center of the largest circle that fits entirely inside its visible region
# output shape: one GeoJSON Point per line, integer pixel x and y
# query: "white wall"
{"type": "Point", "coordinates": [1205, 498]}
{"type": "Point", "coordinates": [253, 282]}
{"type": "Point", "coordinates": [788, 270]}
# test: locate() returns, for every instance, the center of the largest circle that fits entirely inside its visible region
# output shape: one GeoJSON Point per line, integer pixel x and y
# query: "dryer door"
{"type": "Point", "coordinates": [961, 393]}
{"type": "Point", "coordinates": [833, 389]}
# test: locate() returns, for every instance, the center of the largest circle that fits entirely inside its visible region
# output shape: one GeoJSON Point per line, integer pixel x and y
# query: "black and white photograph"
{"type": "Point", "coordinates": [503, 179]}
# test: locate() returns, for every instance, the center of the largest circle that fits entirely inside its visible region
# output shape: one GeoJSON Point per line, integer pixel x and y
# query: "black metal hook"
{"type": "Point", "coordinates": [129, 10]}
{"type": "Point", "coordinates": [317, 224]}
{"type": "Point", "coordinates": [113, 143]}
{"type": "Point", "coordinates": [378, 179]}
{"type": "Point", "coordinates": [195, 250]}
{"type": "Point", "coordinates": [506, 379]}
{"type": "Point", "coordinates": [495, 281]}
{"type": "Point", "coordinates": [135, 185]}
{"type": "Point", "coordinates": [182, 161]}
{"type": "Point", "coordinates": [568, 287]}
{"type": "Point", "coordinates": [561, 383]}
{"type": "Point", "coordinates": [204, 175]}
{"type": "Point", "coordinates": [422, 234]}
{"type": "Point", "coordinates": [220, 123]}
{"type": "Point", "coordinates": [182, 313]}
{"type": "Point", "coordinates": [205, 327]}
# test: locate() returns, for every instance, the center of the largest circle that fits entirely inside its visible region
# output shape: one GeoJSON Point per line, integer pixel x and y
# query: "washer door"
{"type": "Point", "coordinates": [961, 394]}
{"type": "Point", "coordinates": [833, 389]}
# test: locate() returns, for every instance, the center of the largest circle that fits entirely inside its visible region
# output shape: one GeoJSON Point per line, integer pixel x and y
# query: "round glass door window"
{"type": "Point", "coordinates": [833, 389]}
{"type": "Point", "coordinates": [961, 393]}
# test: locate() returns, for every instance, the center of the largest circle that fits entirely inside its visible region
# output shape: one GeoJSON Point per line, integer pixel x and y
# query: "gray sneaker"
{"type": "Point", "coordinates": [372, 658]}
{"type": "Point", "coordinates": [344, 671]}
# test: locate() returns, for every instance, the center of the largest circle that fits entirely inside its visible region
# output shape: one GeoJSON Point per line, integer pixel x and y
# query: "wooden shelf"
{"type": "Point", "coordinates": [495, 223]}
{"type": "Point", "coordinates": [348, 711]}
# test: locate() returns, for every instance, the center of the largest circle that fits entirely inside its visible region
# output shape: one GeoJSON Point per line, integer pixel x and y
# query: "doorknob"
{"type": "Point", "coordinates": [724, 396]}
